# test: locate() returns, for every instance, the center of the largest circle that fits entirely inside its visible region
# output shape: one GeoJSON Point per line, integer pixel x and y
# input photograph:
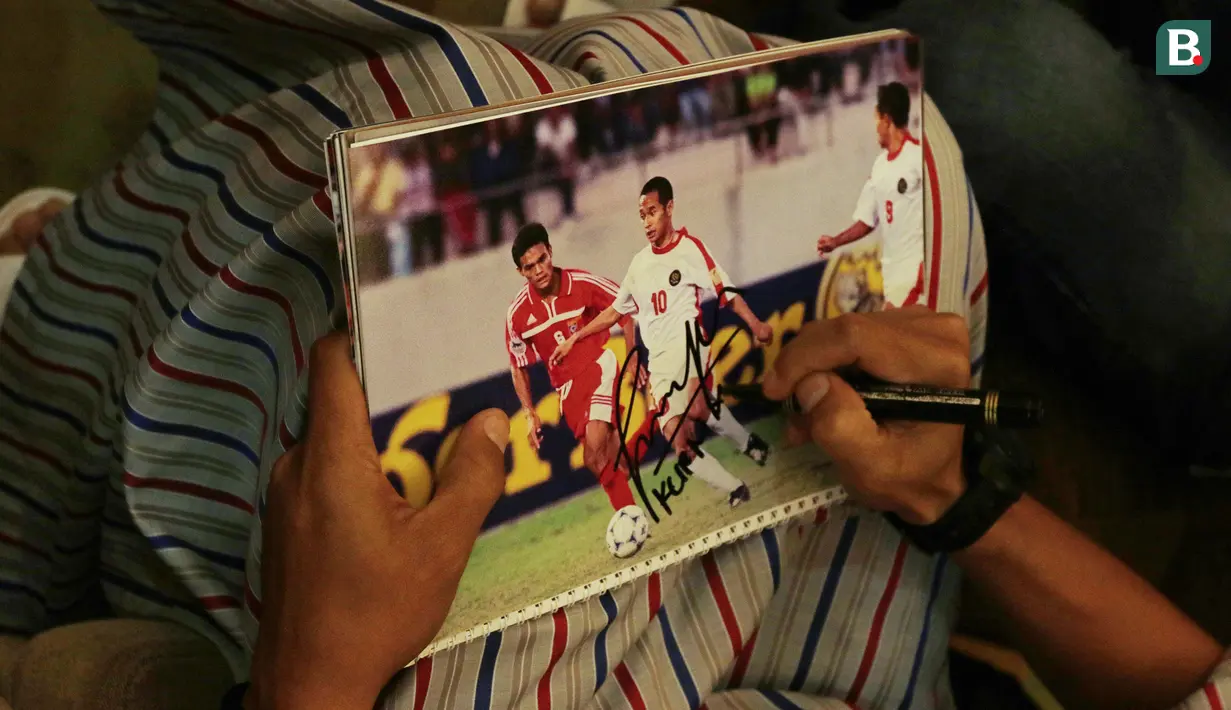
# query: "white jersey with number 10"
{"type": "Point", "coordinates": [664, 288]}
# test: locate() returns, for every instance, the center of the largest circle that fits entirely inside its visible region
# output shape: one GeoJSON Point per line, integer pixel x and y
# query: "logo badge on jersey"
{"type": "Point", "coordinates": [572, 328]}
{"type": "Point", "coordinates": [518, 346]}
{"type": "Point", "coordinates": [901, 186]}
{"type": "Point", "coordinates": [674, 278]}
{"type": "Point", "coordinates": [531, 320]}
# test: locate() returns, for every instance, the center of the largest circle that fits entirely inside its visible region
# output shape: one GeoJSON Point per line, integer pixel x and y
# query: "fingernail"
{"type": "Point", "coordinates": [496, 426]}
{"type": "Point", "coordinates": [811, 390]}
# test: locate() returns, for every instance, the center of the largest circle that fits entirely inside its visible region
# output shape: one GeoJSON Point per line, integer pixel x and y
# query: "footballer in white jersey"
{"type": "Point", "coordinates": [664, 288]}
{"type": "Point", "coordinates": [892, 199]}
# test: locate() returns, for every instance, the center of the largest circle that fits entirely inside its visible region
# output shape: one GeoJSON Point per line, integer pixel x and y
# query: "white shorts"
{"type": "Point", "coordinates": [903, 286]}
{"type": "Point", "coordinates": [668, 389]}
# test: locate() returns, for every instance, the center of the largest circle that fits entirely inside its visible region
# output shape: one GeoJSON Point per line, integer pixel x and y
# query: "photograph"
{"type": "Point", "coordinates": [601, 270]}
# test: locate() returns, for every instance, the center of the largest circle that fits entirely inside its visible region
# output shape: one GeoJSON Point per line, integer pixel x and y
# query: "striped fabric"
{"type": "Point", "coordinates": [152, 369]}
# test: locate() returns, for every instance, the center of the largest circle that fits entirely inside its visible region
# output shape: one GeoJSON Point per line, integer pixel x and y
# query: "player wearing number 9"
{"type": "Point", "coordinates": [554, 304]}
{"type": "Point", "coordinates": [892, 198]}
{"type": "Point", "coordinates": [664, 287]}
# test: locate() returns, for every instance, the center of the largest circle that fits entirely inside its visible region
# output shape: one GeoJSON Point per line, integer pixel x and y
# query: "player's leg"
{"type": "Point", "coordinates": [599, 448]}
{"type": "Point", "coordinates": [724, 423]}
{"type": "Point", "coordinates": [681, 432]}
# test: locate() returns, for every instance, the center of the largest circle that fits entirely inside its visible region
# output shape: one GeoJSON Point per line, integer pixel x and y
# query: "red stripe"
{"type": "Point", "coordinates": [741, 662]}
{"type": "Point", "coordinates": [164, 368]}
{"type": "Point", "coordinates": [276, 157]}
{"type": "Point", "coordinates": [631, 692]}
{"type": "Point", "coordinates": [822, 514]}
{"type": "Point", "coordinates": [585, 56]}
{"type": "Point", "coordinates": [389, 87]}
{"type": "Point", "coordinates": [878, 625]}
{"type": "Point", "coordinates": [34, 453]}
{"type": "Point", "coordinates": [666, 44]}
{"type": "Point", "coordinates": [710, 266]}
{"type": "Point", "coordinates": [230, 279]}
{"type": "Point", "coordinates": [122, 188]}
{"type": "Point", "coordinates": [193, 97]}
{"type": "Point", "coordinates": [976, 294]}
{"type": "Point", "coordinates": [376, 65]}
{"type": "Point", "coordinates": [323, 203]}
{"type": "Point", "coordinates": [213, 603]}
{"type": "Point", "coordinates": [559, 639]}
{"type": "Point", "coordinates": [536, 75]}
{"type": "Point", "coordinates": [1213, 697]}
{"type": "Point", "coordinates": [285, 437]}
{"type": "Point", "coordinates": [654, 593]}
{"type": "Point", "coordinates": [719, 589]}
{"type": "Point", "coordinates": [203, 264]}
{"type": "Point", "coordinates": [254, 604]}
{"type": "Point", "coordinates": [51, 366]}
{"type": "Point", "coordinates": [189, 489]}
{"type": "Point", "coordinates": [423, 677]}
{"type": "Point", "coordinates": [22, 544]}
{"type": "Point", "coordinates": [757, 43]}
{"type": "Point", "coordinates": [937, 226]}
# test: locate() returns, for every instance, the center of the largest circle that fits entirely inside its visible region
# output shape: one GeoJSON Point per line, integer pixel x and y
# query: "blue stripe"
{"type": "Point", "coordinates": [232, 206]}
{"type": "Point", "coordinates": [73, 422]}
{"type": "Point", "coordinates": [261, 82]}
{"type": "Point", "coordinates": [773, 555]}
{"type": "Point", "coordinates": [779, 700]}
{"type": "Point", "coordinates": [806, 656]}
{"type": "Point", "coordinates": [934, 592]}
{"type": "Point", "coordinates": [600, 642]}
{"type": "Point", "coordinates": [9, 586]}
{"type": "Point", "coordinates": [164, 301]}
{"type": "Point", "coordinates": [322, 279]}
{"type": "Point", "coordinates": [555, 56]}
{"type": "Point", "coordinates": [977, 366]}
{"type": "Point", "coordinates": [170, 542]}
{"type": "Point", "coordinates": [324, 106]}
{"type": "Point", "coordinates": [19, 290]}
{"type": "Point", "coordinates": [27, 498]}
{"type": "Point", "coordinates": [688, 18]}
{"type": "Point", "coordinates": [193, 321]}
{"type": "Point", "coordinates": [970, 235]}
{"type": "Point", "coordinates": [687, 684]}
{"type": "Point", "coordinates": [487, 671]}
{"type": "Point", "coordinates": [452, 50]}
{"type": "Point", "coordinates": [97, 237]}
{"type": "Point", "coordinates": [145, 423]}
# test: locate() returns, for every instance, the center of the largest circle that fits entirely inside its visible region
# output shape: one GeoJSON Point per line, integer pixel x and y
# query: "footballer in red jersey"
{"type": "Point", "coordinates": [554, 304]}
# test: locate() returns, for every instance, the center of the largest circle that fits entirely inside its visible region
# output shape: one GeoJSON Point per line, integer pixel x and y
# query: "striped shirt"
{"type": "Point", "coordinates": [152, 369]}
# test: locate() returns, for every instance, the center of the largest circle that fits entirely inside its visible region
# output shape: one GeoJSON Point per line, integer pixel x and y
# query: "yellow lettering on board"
{"type": "Point", "coordinates": [425, 417]}
{"type": "Point", "coordinates": [783, 323]}
{"type": "Point", "coordinates": [528, 468]}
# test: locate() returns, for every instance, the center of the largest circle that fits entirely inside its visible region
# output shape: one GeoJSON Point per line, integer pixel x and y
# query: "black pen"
{"type": "Point", "coordinates": [923, 403]}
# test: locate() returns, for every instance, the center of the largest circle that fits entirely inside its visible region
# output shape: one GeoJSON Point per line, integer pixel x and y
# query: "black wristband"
{"type": "Point", "coordinates": [984, 501]}
{"type": "Point", "coordinates": [234, 698]}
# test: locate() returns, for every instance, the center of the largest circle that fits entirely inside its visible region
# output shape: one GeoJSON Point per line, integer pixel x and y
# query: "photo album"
{"type": "Point", "coordinates": [601, 263]}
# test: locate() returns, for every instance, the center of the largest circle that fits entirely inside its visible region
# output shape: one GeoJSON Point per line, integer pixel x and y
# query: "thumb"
{"type": "Point", "coordinates": [471, 481]}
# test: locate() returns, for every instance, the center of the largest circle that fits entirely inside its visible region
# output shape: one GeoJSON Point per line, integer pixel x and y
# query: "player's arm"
{"type": "Point", "coordinates": [762, 330]}
{"type": "Point", "coordinates": [602, 322]}
{"type": "Point", "coordinates": [633, 358]}
{"type": "Point", "coordinates": [717, 278]}
{"type": "Point", "coordinates": [865, 221]}
{"type": "Point", "coordinates": [521, 385]}
{"type": "Point", "coordinates": [853, 233]}
{"type": "Point", "coordinates": [521, 357]}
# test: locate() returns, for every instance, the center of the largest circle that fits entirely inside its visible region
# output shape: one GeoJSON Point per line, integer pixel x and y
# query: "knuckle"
{"type": "Point", "coordinates": [849, 326]}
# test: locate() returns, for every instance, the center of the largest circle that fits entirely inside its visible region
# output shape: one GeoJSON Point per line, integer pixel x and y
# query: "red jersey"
{"type": "Point", "coordinates": [535, 326]}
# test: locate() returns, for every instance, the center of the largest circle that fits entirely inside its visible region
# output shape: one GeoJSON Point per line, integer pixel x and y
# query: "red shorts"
{"type": "Point", "coordinates": [590, 396]}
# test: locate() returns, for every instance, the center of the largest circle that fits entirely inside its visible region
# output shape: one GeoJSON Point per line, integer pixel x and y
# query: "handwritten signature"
{"type": "Point", "coordinates": [672, 485]}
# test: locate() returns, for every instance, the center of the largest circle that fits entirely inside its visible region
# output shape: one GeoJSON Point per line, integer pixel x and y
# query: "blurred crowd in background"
{"type": "Point", "coordinates": [420, 201]}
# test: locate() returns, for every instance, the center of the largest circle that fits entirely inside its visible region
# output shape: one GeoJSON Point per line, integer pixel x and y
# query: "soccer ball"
{"type": "Point", "coordinates": [627, 531]}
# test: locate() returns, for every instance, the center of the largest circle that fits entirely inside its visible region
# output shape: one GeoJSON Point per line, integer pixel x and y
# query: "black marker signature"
{"type": "Point", "coordinates": [695, 340]}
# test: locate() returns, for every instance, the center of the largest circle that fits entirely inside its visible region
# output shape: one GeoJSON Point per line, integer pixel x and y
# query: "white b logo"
{"type": "Point", "coordinates": [1178, 39]}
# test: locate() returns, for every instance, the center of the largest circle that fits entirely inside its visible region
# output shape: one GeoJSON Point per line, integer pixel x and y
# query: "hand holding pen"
{"type": "Point", "coordinates": [910, 468]}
